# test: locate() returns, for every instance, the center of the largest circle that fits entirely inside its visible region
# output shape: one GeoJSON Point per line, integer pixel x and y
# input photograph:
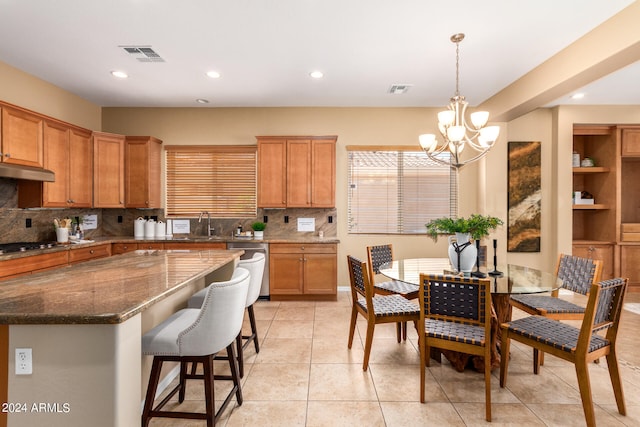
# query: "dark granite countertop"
{"type": "Point", "coordinates": [107, 290]}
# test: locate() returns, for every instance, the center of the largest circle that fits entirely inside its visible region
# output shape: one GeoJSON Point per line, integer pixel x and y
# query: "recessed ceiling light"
{"type": "Point", "coordinates": [316, 74]}
{"type": "Point", "coordinates": [213, 74]}
{"type": "Point", "coordinates": [119, 74]}
{"type": "Point", "coordinates": [577, 96]}
{"type": "Point", "coordinates": [202, 101]}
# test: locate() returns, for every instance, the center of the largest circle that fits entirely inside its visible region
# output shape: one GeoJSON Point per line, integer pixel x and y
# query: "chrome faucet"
{"type": "Point", "coordinates": [210, 229]}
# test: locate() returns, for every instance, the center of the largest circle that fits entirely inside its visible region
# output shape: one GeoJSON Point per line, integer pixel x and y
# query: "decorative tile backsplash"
{"type": "Point", "coordinates": [281, 223]}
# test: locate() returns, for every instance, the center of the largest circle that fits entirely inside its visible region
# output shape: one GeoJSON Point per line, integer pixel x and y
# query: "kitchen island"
{"type": "Point", "coordinates": [84, 323]}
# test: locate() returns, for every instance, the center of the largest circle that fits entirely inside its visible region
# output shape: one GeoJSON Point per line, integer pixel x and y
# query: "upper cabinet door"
{"type": "Point", "coordinates": [80, 168]}
{"type": "Point", "coordinates": [56, 158]}
{"type": "Point", "coordinates": [272, 173]}
{"type": "Point", "coordinates": [323, 178]}
{"type": "Point", "coordinates": [142, 172]}
{"type": "Point", "coordinates": [21, 137]}
{"type": "Point", "coordinates": [108, 170]}
{"type": "Point", "coordinates": [299, 173]}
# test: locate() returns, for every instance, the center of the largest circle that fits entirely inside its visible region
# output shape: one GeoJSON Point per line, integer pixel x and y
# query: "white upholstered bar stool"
{"type": "Point", "coordinates": [255, 266]}
{"type": "Point", "coordinates": [195, 335]}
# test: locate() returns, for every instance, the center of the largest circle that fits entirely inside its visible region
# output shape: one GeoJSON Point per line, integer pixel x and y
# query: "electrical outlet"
{"type": "Point", "coordinates": [24, 359]}
{"type": "Point", "coordinates": [119, 219]}
{"type": "Point", "coordinates": [28, 223]}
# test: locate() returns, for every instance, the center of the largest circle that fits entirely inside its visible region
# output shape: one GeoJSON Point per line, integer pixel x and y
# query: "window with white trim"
{"type": "Point", "coordinates": [397, 190]}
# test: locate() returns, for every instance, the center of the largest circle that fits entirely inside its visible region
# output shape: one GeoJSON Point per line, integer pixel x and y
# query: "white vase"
{"type": "Point", "coordinates": [258, 235]}
{"type": "Point", "coordinates": [468, 253]}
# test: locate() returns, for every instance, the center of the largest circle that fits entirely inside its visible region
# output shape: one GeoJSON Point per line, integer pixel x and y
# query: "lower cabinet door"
{"type": "Point", "coordinates": [630, 265]}
{"type": "Point", "coordinates": [320, 273]}
{"type": "Point", "coordinates": [285, 274]}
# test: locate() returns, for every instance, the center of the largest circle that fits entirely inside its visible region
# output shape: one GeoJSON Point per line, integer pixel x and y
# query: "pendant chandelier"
{"type": "Point", "coordinates": [455, 130]}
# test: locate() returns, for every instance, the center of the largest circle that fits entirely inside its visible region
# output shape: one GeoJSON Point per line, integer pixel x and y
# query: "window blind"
{"type": "Point", "coordinates": [218, 179]}
{"type": "Point", "coordinates": [397, 191]}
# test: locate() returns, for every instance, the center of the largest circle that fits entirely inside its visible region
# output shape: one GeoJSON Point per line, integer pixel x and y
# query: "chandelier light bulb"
{"type": "Point", "coordinates": [446, 117]}
{"type": "Point", "coordinates": [455, 133]}
{"type": "Point", "coordinates": [479, 119]}
{"type": "Point", "coordinates": [428, 141]}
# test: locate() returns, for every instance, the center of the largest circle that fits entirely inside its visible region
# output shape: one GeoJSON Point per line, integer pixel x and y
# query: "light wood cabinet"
{"type": "Point", "coordinates": [122, 248]}
{"type": "Point", "coordinates": [88, 253]}
{"type": "Point", "coordinates": [142, 172]}
{"type": "Point", "coordinates": [272, 173]}
{"type": "Point", "coordinates": [302, 271]}
{"type": "Point", "coordinates": [108, 170]}
{"type": "Point", "coordinates": [68, 152]}
{"type": "Point", "coordinates": [631, 141]}
{"type": "Point", "coordinates": [296, 172]}
{"type": "Point", "coordinates": [21, 266]}
{"type": "Point", "coordinates": [607, 229]}
{"type": "Point", "coordinates": [21, 137]}
{"type": "Point", "coordinates": [630, 265]}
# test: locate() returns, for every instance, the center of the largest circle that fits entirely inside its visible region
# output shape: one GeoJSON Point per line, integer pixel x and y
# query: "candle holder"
{"type": "Point", "coordinates": [478, 273]}
{"type": "Point", "coordinates": [495, 272]}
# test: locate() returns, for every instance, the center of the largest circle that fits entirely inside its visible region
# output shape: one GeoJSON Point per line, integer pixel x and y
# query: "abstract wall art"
{"type": "Point", "coordinates": [525, 195]}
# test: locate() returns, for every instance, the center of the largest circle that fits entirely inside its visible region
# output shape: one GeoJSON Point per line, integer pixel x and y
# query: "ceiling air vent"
{"type": "Point", "coordinates": [143, 53]}
{"type": "Point", "coordinates": [398, 89]}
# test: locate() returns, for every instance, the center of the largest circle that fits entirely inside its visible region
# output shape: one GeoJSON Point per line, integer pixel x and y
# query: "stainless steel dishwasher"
{"type": "Point", "coordinates": [250, 248]}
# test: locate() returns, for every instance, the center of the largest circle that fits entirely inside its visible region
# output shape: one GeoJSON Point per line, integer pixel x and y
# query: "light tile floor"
{"type": "Point", "coordinates": [304, 375]}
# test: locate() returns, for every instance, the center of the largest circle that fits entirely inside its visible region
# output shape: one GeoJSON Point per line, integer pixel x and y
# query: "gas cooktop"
{"type": "Point", "coordinates": [6, 248]}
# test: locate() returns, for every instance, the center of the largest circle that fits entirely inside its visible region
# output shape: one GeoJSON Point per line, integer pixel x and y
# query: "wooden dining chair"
{"type": "Point", "coordinates": [377, 256]}
{"type": "Point", "coordinates": [576, 345]}
{"type": "Point", "coordinates": [577, 275]}
{"type": "Point", "coordinates": [455, 314]}
{"type": "Point", "coordinates": [381, 309]}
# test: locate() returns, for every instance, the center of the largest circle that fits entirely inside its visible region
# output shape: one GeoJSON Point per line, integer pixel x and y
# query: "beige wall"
{"type": "Point", "coordinates": [353, 126]}
{"type": "Point", "coordinates": [27, 91]}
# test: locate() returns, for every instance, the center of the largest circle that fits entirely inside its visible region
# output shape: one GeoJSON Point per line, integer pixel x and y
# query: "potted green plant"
{"type": "Point", "coordinates": [258, 229]}
{"type": "Point", "coordinates": [462, 253]}
{"type": "Point", "coordinates": [476, 226]}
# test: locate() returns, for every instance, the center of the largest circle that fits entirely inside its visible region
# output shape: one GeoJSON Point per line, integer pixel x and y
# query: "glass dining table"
{"type": "Point", "coordinates": [513, 279]}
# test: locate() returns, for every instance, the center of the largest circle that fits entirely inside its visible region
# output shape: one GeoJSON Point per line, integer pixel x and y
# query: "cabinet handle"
{"type": "Point", "coordinates": [91, 251]}
{"type": "Point", "coordinates": [146, 202]}
{"type": "Point", "coordinates": [7, 155]}
{"type": "Point", "coordinates": [302, 248]}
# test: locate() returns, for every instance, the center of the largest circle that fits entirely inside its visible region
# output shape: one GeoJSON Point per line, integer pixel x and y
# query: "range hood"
{"type": "Point", "coordinates": [8, 170]}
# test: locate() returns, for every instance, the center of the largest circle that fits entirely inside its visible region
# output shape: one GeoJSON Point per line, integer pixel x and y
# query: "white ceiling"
{"type": "Point", "coordinates": [264, 49]}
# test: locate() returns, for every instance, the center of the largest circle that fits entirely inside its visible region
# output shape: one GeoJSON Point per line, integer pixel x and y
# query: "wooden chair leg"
{"type": "Point", "coordinates": [404, 331]}
{"type": "Point", "coordinates": [614, 374]}
{"type": "Point", "coordinates": [240, 355]}
{"type": "Point", "coordinates": [235, 374]}
{"type": "Point", "coordinates": [424, 362]}
{"type": "Point", "coordinates": [367, 345]}
{"type": "Point", "coordinates": [504, 358]}
{"type": "Point", "coordinates": [352, 325]}
{"type": "Point", "coordinates": [154, 379]}
{"type": "Point", "coordinates": [254, 329]}
{"type": "Point", "coordinates": [183, 380]}
{"type": "Point", "coordinates": [399, 331]}
{"type": "Point", "coordinates": [584, 384]}
{"type": "Point", "coordinates": [487, 385]}
{"type": "Point", "coordinates": [536, 361]}
{"type": "Point", "coordinates": [207, 366]}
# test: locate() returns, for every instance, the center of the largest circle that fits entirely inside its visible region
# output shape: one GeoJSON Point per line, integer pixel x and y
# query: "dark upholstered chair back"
{"type": "Point", "coordinates": [379, 255]}
{"type": "Point", "coordinates": [461, 299]}
{"type": "Point", "coordinates": [578, 274]}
